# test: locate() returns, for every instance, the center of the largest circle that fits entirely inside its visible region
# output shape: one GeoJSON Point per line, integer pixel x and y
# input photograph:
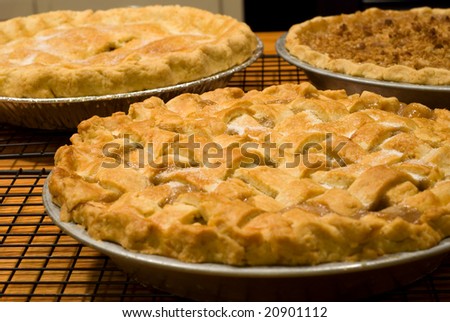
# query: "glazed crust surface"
{"type": "Point", "coordinates": [411, 46]}
{"type": "Point", "coordinates": [289, 175]}
{"type": "Point", "coordinates": [82, 53]}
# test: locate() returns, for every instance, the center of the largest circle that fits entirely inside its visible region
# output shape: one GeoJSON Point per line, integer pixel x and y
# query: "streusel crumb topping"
{"type": "Point", "coordinates": [387, 38]}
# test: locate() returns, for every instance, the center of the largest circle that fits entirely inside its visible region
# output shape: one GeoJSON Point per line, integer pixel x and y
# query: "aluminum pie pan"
{"type": "Point", "coordinates": [219, 282]}
{"type": "Point", "coordinates": [67, 113]}
{"type": "Point", "coordinates": [429, 95]}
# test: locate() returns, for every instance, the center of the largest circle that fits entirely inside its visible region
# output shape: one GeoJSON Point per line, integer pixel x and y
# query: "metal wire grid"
{"type": "Point", "coordinates": [25, 143]}
{"type": "Point", "coordinates": [266, 71]}
{"type": "Point", "coordinates": [40, 263]}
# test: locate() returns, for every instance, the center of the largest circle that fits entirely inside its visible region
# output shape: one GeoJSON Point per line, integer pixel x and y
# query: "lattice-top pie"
{"type": "Point", "coordinates": [408, 46]}
{"type": "Point", "coordinates": [79, 53]}
{"type": "Point", "coordinates": [288, 175]}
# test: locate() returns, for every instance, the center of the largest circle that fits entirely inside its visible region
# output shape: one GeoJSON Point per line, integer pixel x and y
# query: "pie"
{"type": "Point", "coordinates": [290, 175]}
{"type": "Point", "coordinates": [407, 46]}
{"type": "Point", "coordinates": [83, 53]}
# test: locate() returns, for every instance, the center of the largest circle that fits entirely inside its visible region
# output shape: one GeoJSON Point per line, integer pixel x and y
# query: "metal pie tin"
{"type": "Point", "coordinates": [431, 96]}
{"type": "Point", "coordinates": [67, 113]}
{"type": "Point", "coordinates": [219, 282]}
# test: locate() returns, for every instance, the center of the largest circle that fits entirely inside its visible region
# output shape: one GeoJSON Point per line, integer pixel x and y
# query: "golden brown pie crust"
{"type": "Point", "coordinates": [81, 53]}
{"type": "Point", "coordinates": [407, 46]}
{"type": "Point", "coordinates": [373, 176]}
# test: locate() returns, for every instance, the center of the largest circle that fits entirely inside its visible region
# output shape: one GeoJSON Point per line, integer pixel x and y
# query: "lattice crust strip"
{"type": "Point", "coordinates": [288, 175]}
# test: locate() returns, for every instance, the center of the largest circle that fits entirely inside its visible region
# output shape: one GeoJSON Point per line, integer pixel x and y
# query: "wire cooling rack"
{"type": "Point", "coordinates": [40, 263]}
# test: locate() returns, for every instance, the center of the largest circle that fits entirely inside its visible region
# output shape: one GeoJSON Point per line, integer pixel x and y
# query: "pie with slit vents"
{"type": "Point", "coordinates": [407, 46]}
{"type": "Point", "coordinates": [289, 175]}
{"type": "Point", "coordinates": [83, 53]}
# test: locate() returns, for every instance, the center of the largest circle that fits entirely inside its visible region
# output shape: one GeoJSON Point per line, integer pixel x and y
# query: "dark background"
{"type": "Point", "coordinates": [279, 15]}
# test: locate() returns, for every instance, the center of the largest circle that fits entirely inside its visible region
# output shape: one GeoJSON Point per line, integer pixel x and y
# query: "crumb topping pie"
{"type": "Point", "coordinates": [83, 53]}
{"type": "Point", "coordinates": [407, 46]}
{"type": "Point", "coordinates": [289, 175]}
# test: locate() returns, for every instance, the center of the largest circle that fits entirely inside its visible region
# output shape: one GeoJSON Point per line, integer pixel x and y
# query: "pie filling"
{"type": "Point", "coordinates": [289, 175]}
{"type": "Point", "coordinates": [411, 46]}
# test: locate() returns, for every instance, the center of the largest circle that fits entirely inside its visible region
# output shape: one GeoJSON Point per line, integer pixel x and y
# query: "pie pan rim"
{"type": "Point", "coordinates": [114, 250]}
